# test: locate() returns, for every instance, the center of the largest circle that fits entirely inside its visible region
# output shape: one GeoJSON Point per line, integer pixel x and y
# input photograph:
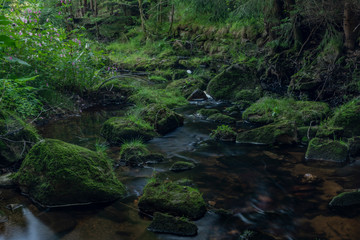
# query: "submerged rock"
{"type": "Point", "coordinates": [18, 138]}
{"type": "Point", "coordinates": [164, 223]}
{"type": "Point", "coordinates": [255, 235]}
{"type": "Point", "coordinates": [326, 149]}
{"type": "Point", "coordinates": [135, 153]}
{"type": "Point", "coordinates": [119, 129]}
{"type": "Point", "coordinates": [182, 166]}
{"type": "Point", "coordinates": [172, 198]}
{"type": "Point", "coordinates": [221, 118]}
{"type": "Point", "coordinates": [58, 173]}
{"type": "Point", "coordinates": [163, 119]}
{"type": "Point", "coordinates": [283, 132]}
{"type": "Point", "coordinates": [345, 200]}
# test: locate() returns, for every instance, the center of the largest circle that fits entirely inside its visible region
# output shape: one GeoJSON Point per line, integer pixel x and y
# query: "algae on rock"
{"type": "Point", "coordinates": [58, 173]}
{"type": "Point", "coordinates": [327, 149]}
{"type": "Point", "coordinates": [172, 198]}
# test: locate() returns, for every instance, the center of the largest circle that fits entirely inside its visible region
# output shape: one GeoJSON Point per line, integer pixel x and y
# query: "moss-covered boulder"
{"type": "Point", "coordinates": [187, 85]}
{"type": "Point", "coordinates": [163, 119]}
{"type": "Point", "coordinates": [207, 112]}
{"type": "Point", "coordinates": [58, 173]}
{"type": "Point", "coordinates": [223, 133]}
{"type": "Point", "coordinates": [120, 129]}
{"type": "Point", "coordinates": [135, 153]}
{"type": "Point", "coordinates": [327, 149]}
{"type": "Point", "coordinates": [283, 132]}
{"type": "Point", "coordinates": [182, 166]}
{"type": "Point", "coordinates": [267, 110]}
{"type": "Point", "coordinates": [232, 80]}
{"type": "Point", "coordinates": [347, 117]}
{"type": "Point", "coordinates": [345, 200]}
{"type": "Point", "coordinates": [165, 223]}
{"type": "Point", "coordinates": [16, 138]}
{"type": "Point", "coordinates": [221, 118]}
{"type": "Point", "coordinates": [169, 197]}
{"type": "Point", "coordinates": [250, 95]}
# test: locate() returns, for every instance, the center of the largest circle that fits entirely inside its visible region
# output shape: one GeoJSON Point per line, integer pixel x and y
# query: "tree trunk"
{"type": "Point", "coordinates": [350, 26]}
{"type": "Point", "coordinates": [272, 17]}
{"type": "Point", "coordinates": [142, 17]}
{"type": "Point", "coordinates": [84, 7]}
{"type": "Point", "coordinates": [171, 18]}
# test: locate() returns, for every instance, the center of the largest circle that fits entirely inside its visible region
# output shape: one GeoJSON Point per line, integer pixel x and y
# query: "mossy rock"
{"type": "Point", "coordinates": [187, 85]}
{"type": "Point", "coordinates": [345, 200]}
{"type": "Point", "coordinates": [136, 154]}
{"type": "Point", "coordinates": [221, 118]}
{"type": "Point", "coordinates": [327, 149]}
{"type": "Point", "coordinates": [250, 95]}
{"type": "Point", "coordinates": [57, 173]}
{"type": "Point", "coordinates": [120, 129]}
{"type": "Point", "coordinates": [267, 110]}
{"type": "Point", "coordinates": [255, 235]}
{"type": "Point", "coordinates": [165, 223]}
{"type": "Point", "coordinates": [347, 117]}
{"type": "Point", "coordinates": [206, 112]}
{"type": "Point", "coordinates": [163, 119]}
{"type": "Point", "coordinates": [283, 132]}
{"type": "Point", "coordinates": [18, 139]}
{"type": "Point", "coordinates": [224, 133]}
{"type": "Point", "coordinates": [112, 92]}
{"type": "Point", "coordinates": [169, 197]}
{"type": "Point", "coordinates": [305, 134]}
{"type": "Point", "coordinates": [182, 166]}
{"type": "Point", "coordinates": [235, 78]}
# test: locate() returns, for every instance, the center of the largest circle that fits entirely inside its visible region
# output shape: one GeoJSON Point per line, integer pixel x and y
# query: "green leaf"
{"type": "Point", "coordinates": [17, 60]}
{"type": "Point", "coordinates": [4, 20]}
{"type": "Point", "coordinates": [7, 41]}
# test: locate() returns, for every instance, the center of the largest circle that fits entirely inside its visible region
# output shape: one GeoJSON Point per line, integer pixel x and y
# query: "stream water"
{"type": "Point", "coordinates": [259, 185]}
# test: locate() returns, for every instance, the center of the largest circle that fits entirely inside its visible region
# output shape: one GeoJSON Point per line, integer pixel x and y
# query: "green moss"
{"type": "Point", "coordinates": [181, 166]}
{"type": "Point", "coordinates": [187, 85]}
{"type": "Point", "coordinates": [135, 153]}
{"type": "Point", "coordinates": [59, 173]}
{"type": "Point", "coordinates": [19, 138]}
{"type": "Point", "coordinates": [165, 223]}
{"type": "Point", "coordinates": [250, 95]}
{"type": "Point", "coordinates": [221, 118]}
{"type": "Point", "coordinates": [206, 112]}
{"type": "Point", "coordinates": [346, 199]}
{"type": "Point", "coordinates": [283, 132]}
{"type": "Point", "coordinates": [223, 133]}
{"type": "Point", "coordinates": [348, 118]}
{"type": "Point", "coordinates": [120, 129]}
{"type": "Point", "coordinates": [227, 83]}
{"type": "Point", "coordinates": [157, 79]}
{"type": "Point", "coordinates": [326, 149]}
{"type": "Point", "coordinates": [267, 110]}
{"type": "Point", "coordinates": [305, 134]}
{"type": "Point", "coordinates": [163, 119]}
{"type": "Point", "coordinates": [172, 198]}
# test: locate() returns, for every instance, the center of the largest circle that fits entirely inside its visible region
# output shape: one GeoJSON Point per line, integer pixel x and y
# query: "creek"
{"type": "Point", "coordinates": [259, 185]}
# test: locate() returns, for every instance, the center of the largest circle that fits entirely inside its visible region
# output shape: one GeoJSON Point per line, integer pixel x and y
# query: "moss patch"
{"type": "Point", "coordinates": [172, 198]}
{"type": "Point", "coordinates": [326, 149]}
{"type": "Point", "coordinates": [163, 119]}
{"type": "Point", "coordinates": [205, 112]}
{"type": "Point", "coordinates": [119, 129]}
{"type": "Point", "coordinates": [283, 132]}
{"type": "Point", "coordinates": [223, 133]}
{"type": "Point", "coordinates": [267, 110]}
{"type": "Point", "coordinates": [59, 173]}
{"type": "Point", "coordinates": [346, 199]}
{"type": "Point", "coordinates": [187, 85]}
{"type": "Point", "coordinates": [18, 138]}
{"type": "Point", "coordinates": [135, 153]}
{"type": "Point", "coordinates": [165, 223]}
{"type": "Point", "coordinates": [221, 118]}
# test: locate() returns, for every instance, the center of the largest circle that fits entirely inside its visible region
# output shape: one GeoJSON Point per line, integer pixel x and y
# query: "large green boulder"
{"type": "Point", "coordinates": [327, 149]}
{"type": "Point", "coordinates": [120, 129]}
{"type": "Point", "coordinates": [16, 138]}
{"type": "Point", "coordinates": [187, 85]}
{"type": "Point", "coordinates": [345, 200]}
{"type": "Point", "coordinates": [267, 110]}
{"type": "Point", "coordinates": [57, 173]}
{"type": "Point", "coordinates": [233, 79]}
{"type": "Point", "coordinates": [165, 223]}
{"type": "Point", "coordinates": [172, 198]}
{"type": "Point", "coordinates": [163, 119]}
{"type": "Point", "coordinates": [283, 132]}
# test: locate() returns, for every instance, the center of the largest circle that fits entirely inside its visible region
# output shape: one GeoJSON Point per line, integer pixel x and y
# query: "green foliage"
{"type": "Point", "coordinates": [223, 132]}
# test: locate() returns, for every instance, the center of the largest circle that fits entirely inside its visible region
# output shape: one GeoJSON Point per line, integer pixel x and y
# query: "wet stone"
{"type": "Point", "coordinates": [197, 95]}
{"type": "Point", "coordinates": [182, 166]}
{"type": "Point", "coordinates": [164, 223]}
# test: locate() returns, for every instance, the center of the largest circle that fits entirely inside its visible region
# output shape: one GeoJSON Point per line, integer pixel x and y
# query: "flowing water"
{"type": "Point", "coordinates": [259, 185]}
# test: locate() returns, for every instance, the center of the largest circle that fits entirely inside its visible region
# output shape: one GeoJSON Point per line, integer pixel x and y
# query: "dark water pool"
{"type": "Point", "coordinates": [258, 185]}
